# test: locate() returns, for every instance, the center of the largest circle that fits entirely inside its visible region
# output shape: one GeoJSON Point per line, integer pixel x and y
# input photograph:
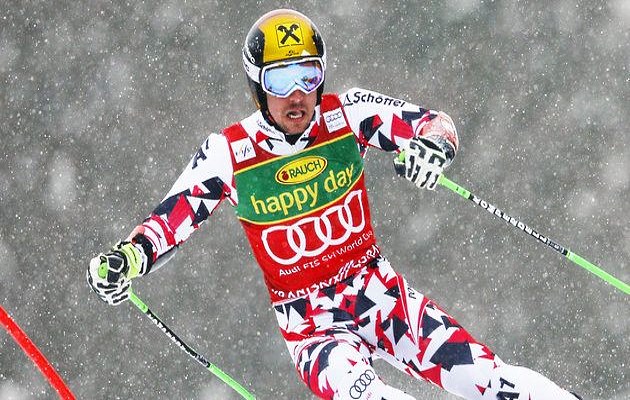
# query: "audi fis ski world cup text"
{"type": "Point", "coordinates": [345, 271]}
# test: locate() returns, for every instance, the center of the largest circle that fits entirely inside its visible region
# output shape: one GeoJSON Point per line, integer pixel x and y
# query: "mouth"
{"type": "Point", "coordinates": [295, 114]}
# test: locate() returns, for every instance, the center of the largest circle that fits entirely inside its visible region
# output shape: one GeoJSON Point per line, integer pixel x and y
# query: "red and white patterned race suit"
{"type": "Point", "coordinates": [305, 212]}
{"type": "Point", "coordinates": [312, 232]}
{"type": "Point", "coordinates": [334, 334]}
{"type": "Point", "coordinates": [306, 215]}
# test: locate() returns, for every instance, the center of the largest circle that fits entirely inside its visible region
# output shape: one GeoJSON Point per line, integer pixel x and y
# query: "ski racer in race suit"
{"type": "Point", "coordinates": [294, 172]}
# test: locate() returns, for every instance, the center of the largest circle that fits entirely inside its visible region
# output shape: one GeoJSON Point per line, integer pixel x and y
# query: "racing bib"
{"type": "Point", "coordinates": [306, 215]}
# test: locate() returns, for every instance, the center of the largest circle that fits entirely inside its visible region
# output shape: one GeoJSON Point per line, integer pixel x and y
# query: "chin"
{"type": "Point", "coordinates": [293, 128]}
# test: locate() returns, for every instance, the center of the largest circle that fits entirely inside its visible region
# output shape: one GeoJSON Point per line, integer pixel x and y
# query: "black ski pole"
{"type": "Point", "coordinates": [575, 258]}
{"type": "Point", "coordinates": [189, 350]}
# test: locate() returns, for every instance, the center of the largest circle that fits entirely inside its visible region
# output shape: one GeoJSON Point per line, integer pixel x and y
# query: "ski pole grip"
{"type": "Point", "coordinates": [399, 163]}
{"type": "Point", "coordinates": [102, 268]}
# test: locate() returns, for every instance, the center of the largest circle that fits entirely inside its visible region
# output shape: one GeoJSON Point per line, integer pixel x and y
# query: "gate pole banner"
{"type": "Point", "coordinates": [38, 358]}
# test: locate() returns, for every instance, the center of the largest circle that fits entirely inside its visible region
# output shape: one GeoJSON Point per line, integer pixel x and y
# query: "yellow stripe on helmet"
{"type": "Point", "coordinates": [287, 36]}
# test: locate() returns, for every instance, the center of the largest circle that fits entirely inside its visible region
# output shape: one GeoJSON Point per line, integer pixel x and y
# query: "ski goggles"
{"type": "Point", "coordinates": [282, 79]}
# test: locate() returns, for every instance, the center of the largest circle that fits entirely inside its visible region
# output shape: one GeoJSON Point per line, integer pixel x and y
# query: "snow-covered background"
{"type": "Point", "coordinates": [103, 102]}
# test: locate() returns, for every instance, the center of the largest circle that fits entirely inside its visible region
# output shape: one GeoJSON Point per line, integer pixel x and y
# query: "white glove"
{"type": "Point", "coordinates": [421, 161]}
{"type": "Point", "coordinates": [109, 275]}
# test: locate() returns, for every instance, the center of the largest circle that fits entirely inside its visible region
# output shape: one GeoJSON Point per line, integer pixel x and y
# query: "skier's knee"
{"type": "Point", "coordinates": [323, 364]}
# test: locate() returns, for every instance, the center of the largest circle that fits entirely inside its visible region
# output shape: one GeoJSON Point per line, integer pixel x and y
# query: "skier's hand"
{"type": "Point", "coordinates": [421, 161]}
{"type": "Point", "coordinates": [109, 275]}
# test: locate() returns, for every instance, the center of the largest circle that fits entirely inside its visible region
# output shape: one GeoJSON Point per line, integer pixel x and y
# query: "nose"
{"type": "Point", "coordinates": [296, 96]}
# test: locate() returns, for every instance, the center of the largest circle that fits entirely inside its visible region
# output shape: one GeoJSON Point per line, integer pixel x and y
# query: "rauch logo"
{"type": "Point", "coordinates": [301, 170]}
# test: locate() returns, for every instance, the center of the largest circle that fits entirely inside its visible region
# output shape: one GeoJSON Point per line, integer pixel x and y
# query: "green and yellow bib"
{"type": "Point", "coordinates": [306, 215]}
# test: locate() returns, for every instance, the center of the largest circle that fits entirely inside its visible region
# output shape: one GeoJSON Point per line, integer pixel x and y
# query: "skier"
{"type": "Point", "coordinates": [293, 170]}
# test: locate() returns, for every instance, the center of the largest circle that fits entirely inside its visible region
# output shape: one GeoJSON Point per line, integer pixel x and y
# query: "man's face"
{"type": "Point", "coordinates": [294, 113]}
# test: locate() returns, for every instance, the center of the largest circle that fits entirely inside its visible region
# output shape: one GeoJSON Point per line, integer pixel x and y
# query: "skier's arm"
{"type": "Point", "coordinates": [205, 182]}
{"type": "Point", "coordinates": [388, 123]}
{"type": "Point", "coordinates": [426, 139]}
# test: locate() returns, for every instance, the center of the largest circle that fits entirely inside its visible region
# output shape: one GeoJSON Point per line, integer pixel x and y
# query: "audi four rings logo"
{"type": "Point", "coordinates": [361, 384]}
{"type": "Point", "coordinates": [297, 236]}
